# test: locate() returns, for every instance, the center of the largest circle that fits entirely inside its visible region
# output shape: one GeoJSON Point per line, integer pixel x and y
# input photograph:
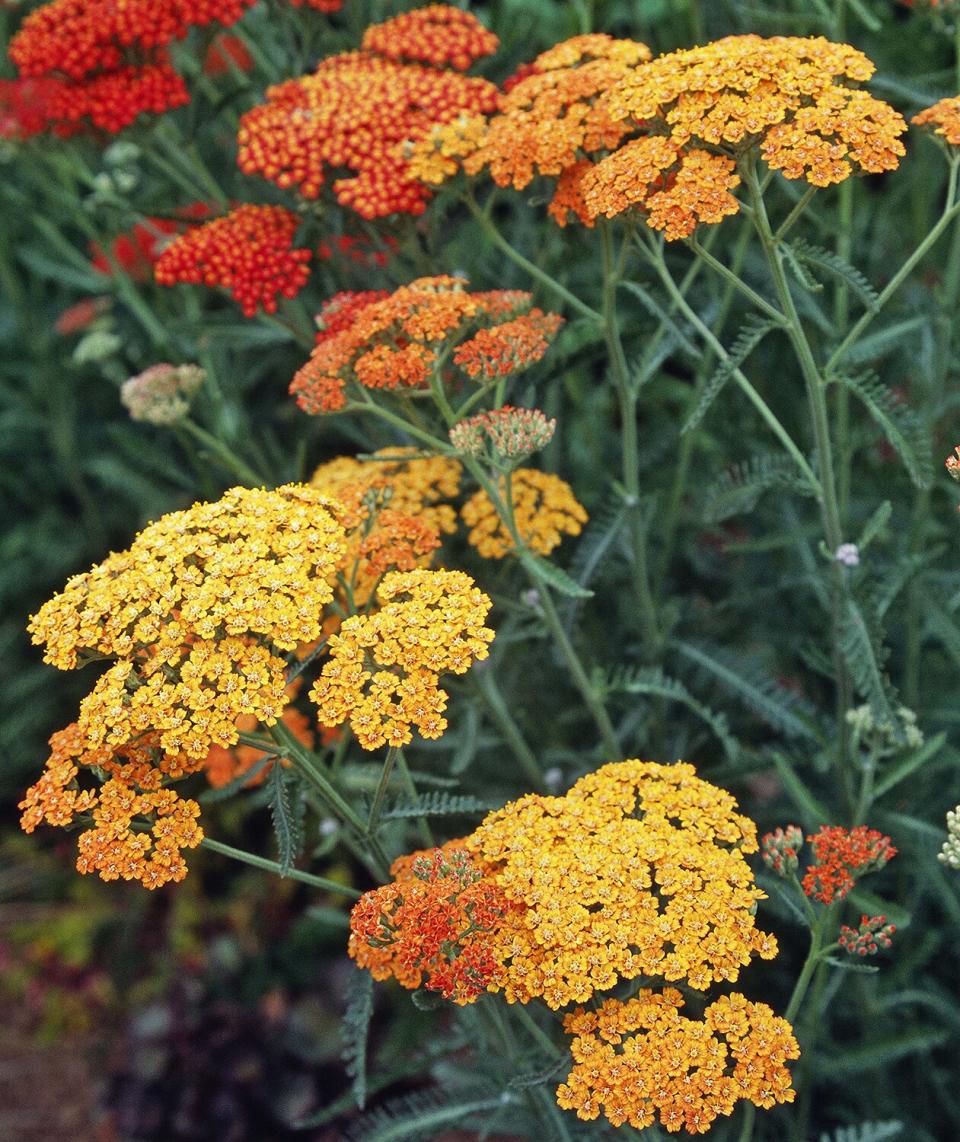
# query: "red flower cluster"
{"type": "Point", "coordinates": [842, 856]}
{"type": "Point", "coordinates": [428, 926]}
{"type": "Point", "coordinates": [359, 108]}
{"type": "Point", "coordinates": [249, 251]}
{"type": "Point", "coordinates": [106, 62]}
{"type": "Point", "coordinates": [394, 341]}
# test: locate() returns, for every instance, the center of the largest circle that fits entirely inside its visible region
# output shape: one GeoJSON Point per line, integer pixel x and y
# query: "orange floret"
{"type": "Point", "coordinates": [249, 251]}
{"type": "Point", "coordinates": [944, 118]}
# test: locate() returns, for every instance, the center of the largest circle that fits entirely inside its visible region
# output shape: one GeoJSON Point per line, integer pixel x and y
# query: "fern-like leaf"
{"type": "Point", "coordinates": [753, 331]}
{"type": "Point", "coordinates": [865, 1132]}
{"type": "Point", "coordinates": [418, 1116]}
{"type": "Point", "coordinates": [598, 537]}
{"type": "Point", "coordinates": [838, 267]}
{"type": "Point", "coordinates": [436, 804]}
{"type": "Point", "coordinates": [800, 271]}
{"type": "Point", "coordinates": [286, 811]}
{"type": "Point", "coordinates": [355, 1031]}
{"type": "Point", "coordinates": [737, 491]}
{"type": "Point", "coordinates": [655, 683]}
{"type": "Point", "coordinates": [756, 689]}
{"type": "Point", "coordinates": [900, 424]}
{"type": "Point", "coordinates": [861, 644]}
{"type": "Point", "coordinates": [666, 320]}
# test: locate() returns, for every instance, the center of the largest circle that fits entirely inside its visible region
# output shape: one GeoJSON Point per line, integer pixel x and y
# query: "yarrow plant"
{"type": "Point", "coordinates": [559, 389]}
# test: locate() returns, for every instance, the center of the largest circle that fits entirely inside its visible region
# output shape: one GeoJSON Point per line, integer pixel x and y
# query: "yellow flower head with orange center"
{"type": "Point", "coordinates": [383, 669]}
{"type": "Point", "coordinates": [544, 510]}
{"type": "Point", "coordinates": [944, 118]}
{"type": "Point", "coordinates": [196, 613]}
{"type": "Point", "coordinates": [640, 1060]}
{"type": "Point", "coordinates": [398, 341]}
{"type": "Point", "coordinates": [358, 110]}
{"type": "Point", "coordinates": [134, 787]}
{"type": "Point", "coordinates": [638, 870]}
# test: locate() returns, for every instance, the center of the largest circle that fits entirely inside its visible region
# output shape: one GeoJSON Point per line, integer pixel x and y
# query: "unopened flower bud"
{"type": "Point", "coordinates": [511, 432]}
{"type": "Point", "coordinates": [950, 853]}
{"type": "Point", "coordinates": [162, 393]}
{"type": "Point", "coordinates": [873, 934]}
{"type": "Point", "coordinates": [780, 850]}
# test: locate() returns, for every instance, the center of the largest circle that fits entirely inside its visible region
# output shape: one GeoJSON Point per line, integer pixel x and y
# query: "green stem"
{"type": "Point", "coordinates": [806, 973]}
{"type": "Point", "coordinates": [434, 443]}
{"type": "Point", "coordinates": [224, 454]}
{"type": "Point", "coordinates": [486, 684]}
{"type": "Point", "coordinates": [272, 866]}
{"type": "Point", "coordinates": [950, 211]}
{"type": "Point", "coordinates": [749, 1115]}
{"type": "Point", "coordinates": [426, 834]}
{"type": "Point", "coordinates": [657, 261]}
{"type": "Point", "coordinates": [490, 230]}
{"type": "Point", "coordinates": [841, 315]}
{"type": "Point", "coordinates": [797, 212]}
{"type": "Point", "coordinates": [627, 396]}
{"type": "Point", "coordinates": [536, 1032]}
{"type": "Point", "coordinates": [376, 807]}
{"type": "Point", "coordinates": [736, 283]}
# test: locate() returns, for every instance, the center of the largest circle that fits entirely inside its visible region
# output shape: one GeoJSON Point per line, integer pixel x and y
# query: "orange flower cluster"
{"type": "Point", "coordinates": [383, 669]}
{"type": "Point", "coordinates": [944, 118]}
{"type": "Point", "coordinates": [844, 855]}
{"type": "Point", "coordinates": [639, 1060]}
{"type": "Point", "coordinates": [249, 251]}
{"type": "Point", "coordinates": [428, 926]}
{"type": "Point", "coordinates": [638, 870]}
{"type": "Point", "coordinates": [358, 108]}
{"type": "Point", "coordinates": [396, 342]}
{"type": "Point", "coordinates": [547, 120]}
{"type": "Point", "coordinates": [621, 131]}
{"type": "Point", "coordinates": [107, 60]}
{"type": "Point", "coordinates": [437, 34]}
{"type": "Point", "coordinates": [544, 511]}
{"type": "Point", "coordinates": [196, 613]}
{"type": "Point", "coordinates": [134, 787]}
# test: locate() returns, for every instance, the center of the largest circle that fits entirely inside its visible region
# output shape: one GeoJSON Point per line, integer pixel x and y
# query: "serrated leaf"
{"type": "Point", "coordinates": [355, 1031]}
{"type": "Point", "coordinates": [665, 319]}
{"type": "Point", "coordinates": [851, 965]}
{"type": "Point", "coordinates": [737, 491]}
{"type": "Point", "coordinates": [437, 804]}
{"type": "Point", "coordinates": [752, 332]}
{"type": "Point", "coordinates": [861, 645]}
{"type": "Point", "coordinates": [868, 348]}
{"type": "Point", "coordinates": [761, 694]}
{"type": "Point", "coordinates": [833, 264]}
{"type": "Point", "coordinates": [554, 576]}
{"type": "Point", "coordinates": [654, 682]}
{"type": "Point", "coordinates": [286, 814]}
{"type": "Point", "coordinates": [416, 1117]}
{"type": "Point", "coordinates": [800, 271]}
{"type": "Point", "coordinates": [900, 425]}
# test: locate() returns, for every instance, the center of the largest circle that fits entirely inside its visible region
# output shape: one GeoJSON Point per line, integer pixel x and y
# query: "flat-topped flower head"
{"type": "Point", "coordinates": [383, 669]}
{"type": "Point", "coordinates": [397, 342]}
{"type": "Point", "coordinates": [943, 118]}
{"type": "Point", "coordinates": [161, 394]}
{"type": "Point", "coordinates": [640, 1061]}
{"type": "Point", "coordinates": [359, 111]}
{"type": "Point", "coordinates": [134, 787]}
{"type": "Point", "coordinates": [544, 511]}
{"type": "Point", "coordinates": [428, 926]}
{"type": "Point", "coordinates": [249, 251]}
{"type": "Point", "coordinates": [639, 870]}
{"type": "Point", "coordinates": [842, 857]}
{"type": "Point", "coordinates": [197, 612]}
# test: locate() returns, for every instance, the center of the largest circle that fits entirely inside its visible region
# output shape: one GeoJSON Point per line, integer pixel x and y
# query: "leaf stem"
{"type": "Point", "coordinates": [272, 866]}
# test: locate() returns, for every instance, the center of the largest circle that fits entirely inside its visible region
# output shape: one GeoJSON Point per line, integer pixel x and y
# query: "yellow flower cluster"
{"type": "Point", "coordinates": [196, 612]}
{"type": "Point", "coordinates": [544, 510]}
{"type": "Point", "coordinates": [638, 870]}
{"type": "Point", "coordinates": [944, 118]}
{"type": "Point", "coordinates": [619, 130]}
{"type": "Point", "coordinates": [640, 1059]}
{"type": "Point", "coordinates": [134, 788]}
{"type": "Point", "coordinates": [383, 669]}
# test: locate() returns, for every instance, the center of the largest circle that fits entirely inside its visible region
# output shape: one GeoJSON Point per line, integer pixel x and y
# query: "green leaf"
{"type": "Point", "coordinates": [553, 576]}
{"type": "Point", "coordinates": [851, 965]}
{"type": "Point", "coordinates": [753, 331]}
{"type": "Point", "coordinates": [863, 651]}
{"type": "Point", "coordinates": [800, 271]}
{"type": "Point", "coordinates": [865, 1132]}
{"type": "Point", "coordinates": [286, 811]}
{"type": "Point", "coordinates": [899, 424]}
{"type": "Point", "coordinates": [756, 689]}
{"type": "Point", "coordinates": [652, 681]}
{"type": "Point", "coordinates": [878, 1053]}
{"type": "Point", "coordinates": [838, 267]}
{"type": "Point", "coordinates": [891, 337]}
{"type": "Point", "coordinates": [437, 804]}
{"type": "Point", "coordinates": [355, 1031]}
{"type": "Point", "coordinates": [737, 491]}
{"type": "Point", "coordinates": [417, 1117]}
{"type": "Point", "coordinates": [908, 765]}
{"type": "Point", "coordinates": [874, 525]}
{"type": "Point", "coordinates": [800, 795]}
{"type": "Point", "coordinates": [664, 319]}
